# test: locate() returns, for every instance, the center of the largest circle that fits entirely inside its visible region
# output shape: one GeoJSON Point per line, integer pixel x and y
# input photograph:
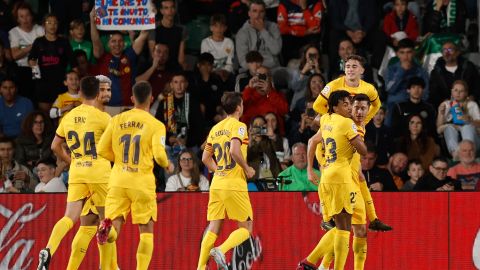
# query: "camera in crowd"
{"type": "Point", "coordinates": [262, 77]}
{"type": "Point", "coordinates": [257, 130]}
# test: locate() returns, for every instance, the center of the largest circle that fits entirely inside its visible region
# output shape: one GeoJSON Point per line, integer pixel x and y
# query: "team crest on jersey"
{"type": "Point", "coordinates": [241, 131]}
{"type": "Point", "coordinates": [326, 91]}
{"type": "Point", "coordinates": [162, 141]}
{"type": "Point", "coordinates": [354, 127]}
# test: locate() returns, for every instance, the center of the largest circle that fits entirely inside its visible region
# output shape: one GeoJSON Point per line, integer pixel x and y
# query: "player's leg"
{"type": "Point", "coordinates": [375, 223]}
{"type": "Point", "coordinates": [342, 238]}
{"type": "Point", "coordinates": [145, 245]}
{"type": "Point", "coordinates": [81, 241]}
{"type": "Point", "coordinates": [359, 245]}
{"type": "Point", "coordinates": [208, 241]}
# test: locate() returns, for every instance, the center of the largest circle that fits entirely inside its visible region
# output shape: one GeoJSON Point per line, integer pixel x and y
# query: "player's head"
{"type": "Point", "coordinates": [339, 102]}
{"type": "Point", "coordinates": [142, 93]}
{"type": "Point", "coordinates": [232, 102]}
{"type": "Point", "coordinates": [354, 67]}
{"type": "Point", "coordinates": [360, 107]}
{"type": "Point", "coordinates": [89, 87]}
{"type": "Point", "coordinates": [105, 89]}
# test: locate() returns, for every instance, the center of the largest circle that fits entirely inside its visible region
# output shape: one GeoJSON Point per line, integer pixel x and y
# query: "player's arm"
{"type": "Point", "coordinates": [207, 158]}
{"type": "Point", "coordinates": [236, 154]}
{"type": "Point", "coordinates": [311, 148]}
{"type": "Point", "coordinates": [374, 107]}
{"type": "Point", "coordinates": [361, 176]}
{"type": "Point", "coordinates": [104, 148]}
{"type": "Point", "coordinates": [158, 148]}
{"type": "Point", "coordinates": [358, 143]}
{"type": "Point", "coordinates": [321, 104]}
{"type": "Point", "coordinates": [58, 149]}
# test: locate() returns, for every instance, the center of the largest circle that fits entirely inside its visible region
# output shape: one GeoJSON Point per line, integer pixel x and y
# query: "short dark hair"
{"type": "Point", "coordinates": [257, 2]}
{"type": "Point", "coordinates": [439, 159]}
{"type": "Point", "coordinates": [335, 98]}
{"type": "Point", "coordinates": [405, 43]}
{"type": "Point", "coordinates": [230, 101]}
{"type": "Point", "coordinates": [218, 18]}
{"type": "Point", "coordinates": [362, 97]}
{"type": "Point", "coordinates": [415, 81]}
{"type": "Point", "coordinates": [141, 91]}
{"type": "Point", "coordinates": [371, 147]}
{"type": "Point", "coordinates": [49, 161]}
{"type": "Point", "coordinates": [10, 79]}
{"type": "Point", "coordinates": [361, 60]}
{"type": "Point", "coordinates": [112, 33]}
{"type": "Point", "coordinates": [206, 58]}
{"type": "Point", "coordinates": [89, 86]}
{"type": "Point", "coordinates": [254, 56]}
{"type": "Point", "coordinates": [8, 140]}
{"type": "Point", "coordinates": [414, 161]}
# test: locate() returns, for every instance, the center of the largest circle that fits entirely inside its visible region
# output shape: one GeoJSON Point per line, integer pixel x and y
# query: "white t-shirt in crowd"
{"type": "Point", "coordinates": [222, 52]}
{"type": "Point", "coordinates": [20, 39]}
{"type": "Point", "coordinates": [54, 185]}
{"type": "Point", "coordinates": [175, 182]}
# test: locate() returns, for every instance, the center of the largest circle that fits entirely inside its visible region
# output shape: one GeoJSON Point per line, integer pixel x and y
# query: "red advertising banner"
{"type": "Point", "coordinates": [431, 231]}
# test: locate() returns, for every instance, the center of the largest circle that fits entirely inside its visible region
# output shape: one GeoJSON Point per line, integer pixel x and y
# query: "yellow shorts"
{"type": "Point", "coordinates": [235, 203]}
{"type": "Point", "coordinates": [120, 201]}
{"type": "Point", "coordinates": [92, 194]}
{"type": "Point", "coordinates": [359, 216]}
{"type": "Point", "coordinates": [336, 197]}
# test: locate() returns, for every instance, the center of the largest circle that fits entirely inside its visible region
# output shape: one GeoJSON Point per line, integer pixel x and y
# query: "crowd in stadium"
{"type": "Point", "coordinates": [421, 56]}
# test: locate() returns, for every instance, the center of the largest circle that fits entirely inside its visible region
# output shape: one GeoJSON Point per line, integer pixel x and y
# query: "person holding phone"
{"type": "Point", "coordinates": [437, 178]}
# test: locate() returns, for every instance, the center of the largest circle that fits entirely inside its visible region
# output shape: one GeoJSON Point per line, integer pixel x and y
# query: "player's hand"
{"type": "Point", "coordinates": [170, 168]}
{"type": "Point", "coordinates": [313, 177]}
{"type": "Point", "coordinates": [250, 172]}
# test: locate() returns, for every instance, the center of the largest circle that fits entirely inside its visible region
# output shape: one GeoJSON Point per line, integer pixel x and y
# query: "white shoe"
{"type": "Point", "coordinates": [219, 257]}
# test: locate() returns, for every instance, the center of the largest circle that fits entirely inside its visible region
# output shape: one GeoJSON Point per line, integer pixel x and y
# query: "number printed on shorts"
{"type": "Point", "coordinates": [125, 140]}
{"type": "Point", "coordinates": [331, 148]}
{"type": "Point", "coordinates": [89, 148]}
{"type": "Point", "coordinates": [353, 196]}
{"type": "Point", "coordinates": [222, 156]}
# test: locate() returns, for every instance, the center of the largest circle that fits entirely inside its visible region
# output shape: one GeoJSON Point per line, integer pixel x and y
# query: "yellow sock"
{"type": "Point", "coordinates": [341, 246]}
{"type": "Point", "coordinates": [207, 243]}
{"type": "Point", "coordinates": [61, 228]}
{"type": "Point", "coordinates": [327, 259]}
{"type": "Point", "coordinates": [367, 197]}
{"type": "Point", "coordinates": [112, 235]}
{"type": "Point", "coordinates": [80, 246]}
{"type": "Point", "coordinates": [323, 247]}
{"type": "Point", "coordinates": [144, 251]}
{"type": "Point", "coordinates": [108, 256]}
{"type": "Point", "coordinates": [234, 239]}
{"type": "Point", "coordinates": [359, 252]}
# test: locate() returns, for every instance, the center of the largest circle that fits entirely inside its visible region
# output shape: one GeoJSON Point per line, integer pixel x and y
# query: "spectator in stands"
{"type": "Point", "coordinates": [20, 178]}
{"type": "Point", "coordinates": [50, 55]}
{"type": "Point", "coordinates": [282, 148]}
{"type": "Point", "coordinates": [416, 143]}
{"type": "Point", "coordinates": [220, 47]}
{"type": "Point", "coordinates": [181, 115]}
{"type": "Point", "coordinates": [445, 16]}
{"type": "Point", "coordinates": [345, 49]}
{"type": "Point", "coordinates": [260, 97]}
{"type": "Point", "coordinates": [299, 22]}
{"type": "Point", "coordinates": [357, 20]}
{"type": "Point", "coordinates": [437, 179]}
{"type": "Point", "coordinates": [467, 171]}
{"type": "Point", "coordinates": [208, 89]}
{"type": "Point", "coordinates": [315, 84]}
{"type": "Point", "coordinates": [80, 64]}
{"type": "Point", "coordinates": [309, 65]}
{"type": "Point", "coordinates": [261, 154]}
{"type": "Point", "coordinates": [13, 108]}
{"type": "Point", "coordinates": [67, 101]}
{"type": "Point", "coordinates": [414, 105]}
{"type": "Point", "coordinates": [21, 39]}
{"type": "Point", "coordinates": [46, 168]}
{"type": "Point", "coordinates": [415, 171]}
{"type": "Point", "coordinates": [34, 142]}
{"type": "Point", "coordinates": [458, 116]}
{"type": "Point", "coordinates": [167, 32]}
{"type": "Point", "coordinates": [77, 38]}
{"type": "Point", "coordinates": [379, 136]}
{"type": "Point", "coordinates": [237, 14]}
{"type": "Point", "coordinates": [399, 74]}
{"type": "Point", "coordinates": [397, 163]}
{"type": "Point", "coordinates": [254, 60]}
{"type": "Point", "coordinates": [449, 68]}
{"type": "Point", "coordinates": [187, 176]}
{"type": "Point", "coordinates": [7, 68]}
{"type": "Point", "coordinates": [378, 179]}
{"type": "Point", "coordinates": [258, 34]}
{"type": "Point", "coordinates": [297, 172]}
{"type": "Point", "coordinates": [400, 23]}
{"type": "Point", "coordinates": [156, 72]}
{"type": "Point", "coordinates": [305, 127]}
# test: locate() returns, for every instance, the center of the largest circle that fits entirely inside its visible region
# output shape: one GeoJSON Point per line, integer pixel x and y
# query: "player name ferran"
{"type": "Point", "coordinates": [131, 124]}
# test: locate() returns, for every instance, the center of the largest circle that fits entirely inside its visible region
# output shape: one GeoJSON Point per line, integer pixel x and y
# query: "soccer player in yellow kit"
{"type": "Point", "coordinates": [340, 140]}
{"type": "Point", "coordinates": [225, 154]}
{"type": "Point", "coordinates": [352, 82]}
{"type": "Point", "coordinates": [88, 175]}
{"type": "Point", "coordinates": [132, 140]}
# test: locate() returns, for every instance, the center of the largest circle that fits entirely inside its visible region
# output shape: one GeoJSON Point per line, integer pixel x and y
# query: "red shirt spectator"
{"type": "Point", "coordinates": [299, 17]}
{"type": "Point", "coordinates": [467, 171]}
{"type": "Point", "coordinates": [400, 20]}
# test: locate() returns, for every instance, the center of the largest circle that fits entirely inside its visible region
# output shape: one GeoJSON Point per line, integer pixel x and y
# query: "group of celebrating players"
{"type": "Point", "coordinates": [102, 196]}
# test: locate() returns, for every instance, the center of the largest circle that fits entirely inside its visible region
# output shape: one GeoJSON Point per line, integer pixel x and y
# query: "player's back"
{"type": "Point", "coordinates": [136, 138]}
{"type": "Point", "coordinates": [82, 129]}
{"type": "Point", "coordinates": [229, 175]}
{"type": "Point", "coordinates": [337, 131]}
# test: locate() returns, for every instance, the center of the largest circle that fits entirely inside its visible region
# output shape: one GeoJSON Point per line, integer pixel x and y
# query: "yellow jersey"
{"type": "Point", "coordinates": [133, 140]}
{"type": "Point", "coordinates": [65, 99]}
{"type": "Point", "coordinates": [355, 163]}
{"type": "Point", "coordinates": [320, 153]}
{"type": "Point", "coordinates": [82, 129]}
{"type": "Point", "coordinates": [229, 175]}
{"type": "Point", "coordinates": [321, 103]}
{"type": "Point", "coordinates": [337, 132]}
